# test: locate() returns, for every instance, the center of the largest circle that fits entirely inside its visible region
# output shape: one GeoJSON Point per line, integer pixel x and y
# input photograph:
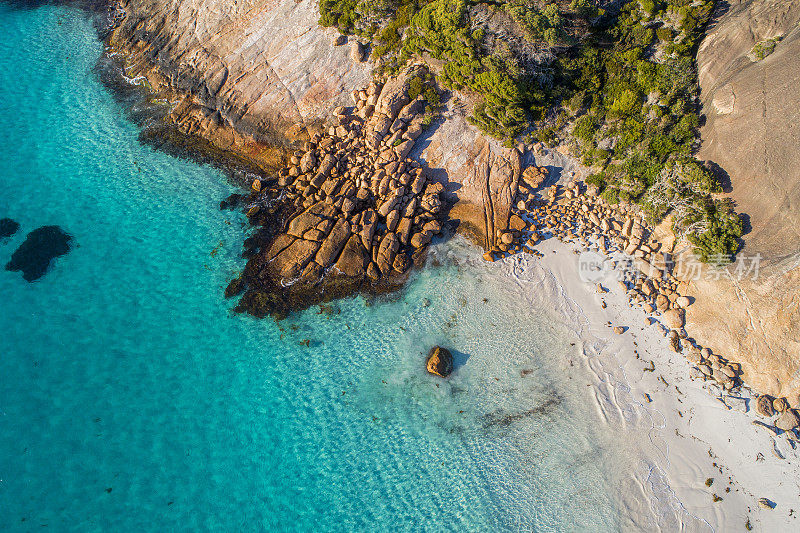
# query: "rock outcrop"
{"type": "Point", "coordinates": [482, 177]}
{"type": "Point", "coordinates": [240, 74]}
{"type": "Point", "coordinates": [357, 213]}
{"type": "Point", "coordinates": [752, 110]}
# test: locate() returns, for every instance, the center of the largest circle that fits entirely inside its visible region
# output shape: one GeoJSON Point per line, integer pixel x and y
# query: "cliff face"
{"type": "Point", "coordinates": [752, 114]}
{"type": "Point", "coordinates": [752, 109]}
{"type": "Point", "coordinates": [480, 176]}
{"type": "Point", "coordinates": [256, 66]}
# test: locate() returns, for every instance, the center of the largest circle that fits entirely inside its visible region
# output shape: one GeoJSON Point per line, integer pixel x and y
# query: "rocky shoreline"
{"type": "Point", "coordinates": [351, 212]}
{"type": "Point", "coordinates": [291, 269]}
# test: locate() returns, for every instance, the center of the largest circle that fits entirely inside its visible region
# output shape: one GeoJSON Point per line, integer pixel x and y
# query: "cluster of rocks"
{"type": "Point", "coordinates": [355, 206]}
{"type": "Point", "coordinates": [787, 419]}
{"type": "Point", "coordinates": [575, 213]}
{"type": "Point", "coordinates": [710, 366]}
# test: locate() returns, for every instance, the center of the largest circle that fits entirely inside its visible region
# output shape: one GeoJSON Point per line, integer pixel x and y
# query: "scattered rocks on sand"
{"type": "Point", "coordinates": [8, 227]}
{"type": "Point", "coordinates": [41, 246]}
{"type": "Point", "coordinates": [440, 362]}
{"type": "Point", "coordinates": [575, 213]}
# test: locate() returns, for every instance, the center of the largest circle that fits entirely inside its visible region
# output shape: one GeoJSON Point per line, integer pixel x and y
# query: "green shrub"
{"type": "Point", "coordinates": [339, 13]}
{"type": "Point", "coordinates": [764, 48]}
{"type": "Point", "coordinates": [627, 103]}
{"type": "Point", "coordinates": [585, 128]}
{"type": "Point", "coordinates": [415, 87]}
{"type": "Point", "coordinates": [664, 34]}
{"type": "Point", "coordinates": [596, 180]}
{"type": "Point", "coordinates": [720, 242]}
{"type": "Point", "coordinates": [432, 96]}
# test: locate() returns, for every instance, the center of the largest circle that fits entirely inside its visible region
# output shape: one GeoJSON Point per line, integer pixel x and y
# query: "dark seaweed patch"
{"type": "Point", "coordinates": [42, 245]}
{"type": "Point", "coordinates": [501, 419]}
{"type": "Point", "coordinates": [8, 227]}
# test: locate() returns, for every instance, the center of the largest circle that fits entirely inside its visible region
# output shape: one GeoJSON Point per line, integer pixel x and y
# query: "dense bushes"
{"type": "Point", "coordinates": [721, 231]}
{"type": "Point", "coordinates": [646, 108]}
{"type": "Point", "coordinates": [339, 13]}
{"type": "Point", "coordinates": [441, 30]}
{"type": "Point", "coordinates": [546, 24]}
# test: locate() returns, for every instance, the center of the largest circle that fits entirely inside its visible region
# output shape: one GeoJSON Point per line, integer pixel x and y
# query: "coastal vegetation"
{"type": "Point", "coordinates": [764, 48]}
{"type": "Point", "coordinates": [619, 86]}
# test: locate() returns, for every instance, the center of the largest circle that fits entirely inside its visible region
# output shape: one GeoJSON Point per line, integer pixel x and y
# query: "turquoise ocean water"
{"type": "Point", "coordinates": [133, 399]}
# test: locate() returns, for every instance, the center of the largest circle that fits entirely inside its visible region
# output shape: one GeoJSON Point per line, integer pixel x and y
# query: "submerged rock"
{"type": "Point", "coordinates": [235, 287]}
{"type": "Point", "coordinates": [231, 202]}
{"type": "Point", "coordinates": [440, 361]}
{"type": "Point", "coordinates": [41, 246]}
{"type": "Point", "coordinates": [8, 227]}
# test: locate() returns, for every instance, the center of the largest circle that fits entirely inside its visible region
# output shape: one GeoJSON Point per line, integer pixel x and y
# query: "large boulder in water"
{"type": "Point", "coordinates": [42, 245]}
{"type": "Point", "coordinates": [440, 361]}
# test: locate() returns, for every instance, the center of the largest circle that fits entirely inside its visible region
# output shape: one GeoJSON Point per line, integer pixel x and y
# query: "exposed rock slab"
{"type": "Point", "coordinates": [257, 65]}
{"type": "Point", "coordinates": [752, 111]}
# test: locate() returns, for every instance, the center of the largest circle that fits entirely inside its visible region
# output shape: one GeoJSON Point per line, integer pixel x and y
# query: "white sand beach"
{"type": "Point", "coordinates": [683, 434]}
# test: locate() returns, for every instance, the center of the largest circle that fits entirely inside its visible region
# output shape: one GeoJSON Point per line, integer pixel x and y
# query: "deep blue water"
{"type": "Point", "coordinates": [133, 399]}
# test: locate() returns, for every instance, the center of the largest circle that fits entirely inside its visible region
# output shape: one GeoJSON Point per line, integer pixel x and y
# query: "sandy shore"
{"type": "Point", "coordinates": [683, 434]}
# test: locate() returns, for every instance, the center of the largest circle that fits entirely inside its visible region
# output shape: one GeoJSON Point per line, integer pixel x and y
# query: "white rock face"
{"type": "Point", "coordinates": [261, 64]}
{"type": "Point", "coordinates": [752, 112]}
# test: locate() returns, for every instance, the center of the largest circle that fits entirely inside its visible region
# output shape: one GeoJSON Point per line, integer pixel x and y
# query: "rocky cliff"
{"type": "Point", "coordinates": [250, 72]}
{"type": "Point", "coordinates": [749, 67]}
{"type": "Point", "coordinates": [242, 70]}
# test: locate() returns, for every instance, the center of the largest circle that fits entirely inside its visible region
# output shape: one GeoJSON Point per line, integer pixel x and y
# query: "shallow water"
{"type": "Point", "coordinates": [131, 398]}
